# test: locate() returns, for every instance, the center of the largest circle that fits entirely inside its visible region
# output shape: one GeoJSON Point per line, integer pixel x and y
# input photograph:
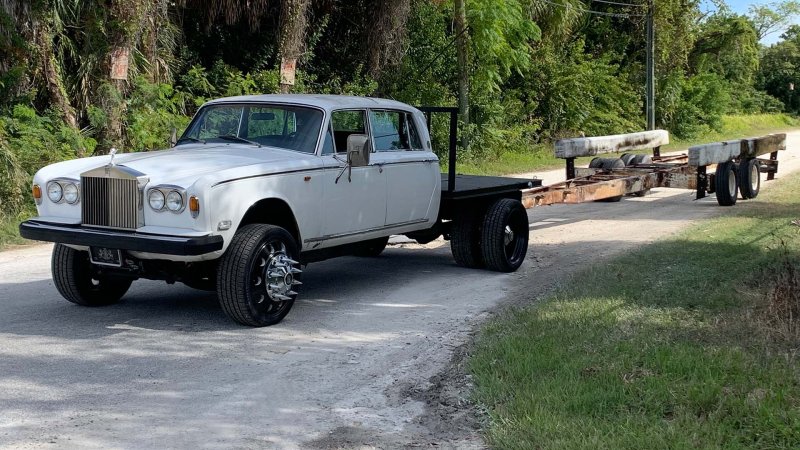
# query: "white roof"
{"type": "Point", "coordinates": [326, 102]}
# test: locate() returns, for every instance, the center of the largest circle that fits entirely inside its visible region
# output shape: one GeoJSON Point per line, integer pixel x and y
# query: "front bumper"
{"type": "Point", "coordinates": [123, 240]}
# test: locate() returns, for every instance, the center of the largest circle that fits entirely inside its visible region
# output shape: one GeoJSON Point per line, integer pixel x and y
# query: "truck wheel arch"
{"type": "Point", "coordinates": [272, 211]}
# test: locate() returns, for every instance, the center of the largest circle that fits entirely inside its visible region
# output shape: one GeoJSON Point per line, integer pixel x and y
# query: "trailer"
{"type": "Point", "coordinates": [722, 168]}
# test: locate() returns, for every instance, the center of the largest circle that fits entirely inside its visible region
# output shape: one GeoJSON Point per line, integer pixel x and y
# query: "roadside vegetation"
{"type": "Point", "coordinates": [80, 77]}
{"type": "Point", "coordinates": [691, 342]}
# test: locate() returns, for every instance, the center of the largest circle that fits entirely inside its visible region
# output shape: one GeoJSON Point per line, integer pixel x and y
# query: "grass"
{"type": "Point", "coordinates": [674, 345]}
{"type": "Point", "coordinates": [540, 156]}
{"type": "Point", "coordinates": [9, 229]}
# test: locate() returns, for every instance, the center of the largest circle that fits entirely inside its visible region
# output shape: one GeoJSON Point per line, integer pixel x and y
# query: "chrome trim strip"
{"type": "Point", "coordinates": [368, 230]}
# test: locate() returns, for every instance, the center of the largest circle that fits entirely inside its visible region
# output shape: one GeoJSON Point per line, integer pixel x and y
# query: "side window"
{"type": "Point", "coordinates": [416, 142]}
{"type": "Point", "coordinates": [344, 124]}
{"type": "Point", "coordinates": [387, 130]}
{"type": "Point", "coordinates": [327, 145]}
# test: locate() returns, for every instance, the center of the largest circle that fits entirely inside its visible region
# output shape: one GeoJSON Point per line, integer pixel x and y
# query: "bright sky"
{"type": "Point", "coordinates": [741, 7]}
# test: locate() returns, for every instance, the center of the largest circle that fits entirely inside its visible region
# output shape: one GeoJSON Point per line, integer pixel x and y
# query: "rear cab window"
{"type": "Point", "coordinates": [394, 131]}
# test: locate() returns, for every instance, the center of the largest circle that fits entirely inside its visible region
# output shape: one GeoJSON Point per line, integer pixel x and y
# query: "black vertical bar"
{"type": "Point", "coordinates": [702, 182]}
{"type": "Point", "coordinates": [657, 152]}
{"type": "Point", "coordinates": [451, 162]}
{"type": "Point", "coordinates": [570, 168]}
{"type": "Point", "coordinates": [773, 157]}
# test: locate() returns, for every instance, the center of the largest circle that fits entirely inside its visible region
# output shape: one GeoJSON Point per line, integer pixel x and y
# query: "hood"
{"type": "Point", "coordinates": [187, 163]}
{"type": "Point", "coordinates": [197, 160]}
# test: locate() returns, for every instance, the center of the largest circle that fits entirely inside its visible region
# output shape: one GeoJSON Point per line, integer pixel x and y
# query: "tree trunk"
{"type": "Point", "coordinates": [43, 40]}
{"type": "Point", "coordinates": [462, 47]}
{"type": "Point", "coordinates": [129, 20]}
{"type": "Point", "coordinates": [292, 31]}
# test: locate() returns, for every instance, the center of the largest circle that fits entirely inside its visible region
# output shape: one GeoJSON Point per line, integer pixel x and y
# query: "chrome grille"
{"type": "Point", "coordinates": [110, 202]}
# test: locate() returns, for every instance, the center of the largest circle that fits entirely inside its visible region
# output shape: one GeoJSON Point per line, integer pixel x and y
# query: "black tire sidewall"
{"type": "Point", "coordinates": [233, 274]}
{"type": "Point", "coordinates": [72, 276]}
{"type": "Point", "coordinates": [501, 214]}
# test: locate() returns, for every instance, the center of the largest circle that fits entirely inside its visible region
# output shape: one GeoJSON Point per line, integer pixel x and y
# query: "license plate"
{"type": "Point", "coordinates": [105, 256]}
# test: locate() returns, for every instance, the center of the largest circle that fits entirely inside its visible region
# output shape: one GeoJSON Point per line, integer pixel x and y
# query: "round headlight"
{"type": "Point", "coordinates": [174, 201]}
{"type": "Point", "coordinates": [156, 199]}
{"type": "Point", "coordinates": [54, 192]}
{"type": "Point", "coordinates": [70, 193]}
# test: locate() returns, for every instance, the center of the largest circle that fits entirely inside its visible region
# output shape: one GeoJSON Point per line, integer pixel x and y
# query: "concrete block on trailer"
{"type": "Point", "coordinates": [590, 146]}
{"type": "Point", "coordinates": [714, 153]}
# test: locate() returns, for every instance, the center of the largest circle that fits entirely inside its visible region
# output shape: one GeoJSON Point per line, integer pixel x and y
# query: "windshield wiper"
{"type": "Point", "coordinates": [188, 138]}
{"type": "Point", "coordinates": [231, 137]}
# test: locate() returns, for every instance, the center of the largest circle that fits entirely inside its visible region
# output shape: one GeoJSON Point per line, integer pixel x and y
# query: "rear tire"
{"type": "Point", "coordinates": [749, 178]}
{"type": "Point", "coordinates": [725, 185]}
{"type": "Point", "coordinates": [77, 282]}
{"type": "Point", "coordinates": [504, 238]}
{"type": "Point", "coordinates": [465, 236]}
{"type": "Point", "coordinates": [257, 277]}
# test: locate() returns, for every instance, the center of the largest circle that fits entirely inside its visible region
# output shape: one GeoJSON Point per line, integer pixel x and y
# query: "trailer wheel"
{"type": "Point", "coordinates": [749, 178]}
{"type": "Point", "coordinates": [641, 159]}
{"type": "Point", "coordinates": [76, 282]}
{"type": "Point", "coordinates": [372, 248]}
{"type": "Point", "coordinates": [257, 277]}
{"type": "Point", "coordinates": [596, 163]}
{"type": "Point", "coordinates": [504, 238]}
{"type": "Point", "coordinates": [465, 234]}
{"type": "Point", "coordinates": [725, 185]}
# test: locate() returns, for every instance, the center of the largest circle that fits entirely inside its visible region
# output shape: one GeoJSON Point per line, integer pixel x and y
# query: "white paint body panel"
{"type": "Point", "coordinates": [398, 192]}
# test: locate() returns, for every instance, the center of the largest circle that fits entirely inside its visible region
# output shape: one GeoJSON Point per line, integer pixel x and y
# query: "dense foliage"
{"type": "Point", "coordinates": [537, 69]}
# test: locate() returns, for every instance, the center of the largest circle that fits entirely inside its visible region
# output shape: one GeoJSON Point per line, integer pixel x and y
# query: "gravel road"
{"type": "Point", "coordinates": [369, 356]}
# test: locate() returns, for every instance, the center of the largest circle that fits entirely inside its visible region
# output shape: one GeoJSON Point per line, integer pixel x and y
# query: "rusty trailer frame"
{"type": "Point", "coordinates": [694, 170]}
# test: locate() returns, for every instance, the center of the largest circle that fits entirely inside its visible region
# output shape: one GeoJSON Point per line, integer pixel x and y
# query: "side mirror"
{"type": "Point", "coordinates": [173, 137]}
{"type": "Point", "coordinates": [359, 147]}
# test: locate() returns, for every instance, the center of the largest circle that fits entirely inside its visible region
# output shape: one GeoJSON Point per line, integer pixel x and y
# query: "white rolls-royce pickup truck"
{"type": "Point", "coordinates": [259, 186]}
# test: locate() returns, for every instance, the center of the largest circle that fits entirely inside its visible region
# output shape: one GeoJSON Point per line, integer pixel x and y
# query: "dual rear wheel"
{"type": "Point", "coordinates": [496, 240]}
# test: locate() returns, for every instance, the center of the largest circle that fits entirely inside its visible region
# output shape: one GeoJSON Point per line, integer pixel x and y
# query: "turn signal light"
{"type": "Point", "coordinates": [194, 205]}
{"type": "Point", "coordinates": [37, 193]}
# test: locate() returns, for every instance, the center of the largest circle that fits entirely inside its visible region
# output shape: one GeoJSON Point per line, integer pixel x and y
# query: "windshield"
{"type": "Point", "coordinates": [283, 126]}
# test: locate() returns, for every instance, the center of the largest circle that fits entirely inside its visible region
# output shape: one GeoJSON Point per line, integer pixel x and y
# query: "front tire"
{"type": "Point", "coordinates": [77, 282]}
{"type": "Point", "coordinates": [257, 277]}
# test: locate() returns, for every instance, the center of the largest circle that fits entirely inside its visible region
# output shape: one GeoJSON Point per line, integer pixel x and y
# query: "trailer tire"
{"type": "Point", "coordinates": [465, 234]}
{"type": "Point", "coordinates": [372, 248]}
{"type": "Point", "coordinates": [641, 159]}
{"type": "Point", "coordinates": [749, 178]}
{"type": "Point", "coordinates": [596, 163]}
{"type": "Point", "coordinates": [72, 275]}
{"type": "Point", "coordinates": [245, 288]}
{"type": "Point", "coordinates": [504, 238]}
{"type": "Point", "coordinates": [725, 185]}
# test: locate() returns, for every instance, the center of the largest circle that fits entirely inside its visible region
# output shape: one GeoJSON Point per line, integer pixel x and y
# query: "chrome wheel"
{"type": "Point", "coordinates": [273, 277]}
{"type": "Point", "coordinates": [508, 235]}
